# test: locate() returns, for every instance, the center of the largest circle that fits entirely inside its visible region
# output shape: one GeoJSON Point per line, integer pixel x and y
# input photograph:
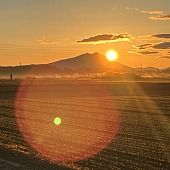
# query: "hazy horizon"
{"type": "Point", "coordinates": [20, 64]}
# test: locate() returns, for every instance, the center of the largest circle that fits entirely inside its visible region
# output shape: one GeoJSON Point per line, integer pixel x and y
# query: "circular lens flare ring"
{"type": "Point", "coordinates": [111, 55]}
{"type": "Point", "coordinates": [82, 135]}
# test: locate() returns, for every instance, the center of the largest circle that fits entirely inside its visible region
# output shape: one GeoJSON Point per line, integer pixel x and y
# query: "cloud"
{"type": "Point", "coordinates": [65, 39]}
{"type": "Point", "coordinates": [149, 12]}
{"type": "Point", "coordinates": [114, 8]}
{"type": "Point", "coordinates": [148, 52]}
{"type": "Point", "coordinates": [106, 38]}
{"type": "Point", "coordinates": [165, 17]}
{"type": "Point", "coordinates": [153, 12]}
{"type": "Point", "coordinates": [166, 57]}
{"type": "Point", "coordinates": [40, 40]}
{"type": "Point", "coordinates": [43, 41]}
{"type": "Point", "coordinates": [54, 43]}
{"type": "Point", "coordinates": [46, 43]}
{"type": "Point", "coordinates": [144, 52]}
{"type": "Point", "coordinates": [143, 46]}
{"type": "Point", "coordinates": [144, 38]}
{"type": "Point", "coordinates": [159, 49]}
{"type": "Point", "coordinates": [153, 37]}
{"type": "Point", "coordinates": [160, 17]}
{"type": "Point", "coordinates": [164, 45]}
{"type": "Point", "coordinates": [161, 36]}
{"type": "Point", "coordinates": [134, 9]}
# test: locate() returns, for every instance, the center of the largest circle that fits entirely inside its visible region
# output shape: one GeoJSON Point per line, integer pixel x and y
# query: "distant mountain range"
{"type": "Point", "coordinates": [146, 69]}
{"type": "Point", "coordinates": [95, 60]}
{"type": "Point", "coordinates": [82, 64]}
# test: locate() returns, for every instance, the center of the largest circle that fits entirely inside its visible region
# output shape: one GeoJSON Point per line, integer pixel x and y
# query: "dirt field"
{"type": "Point", "coordinates": [104, 125]}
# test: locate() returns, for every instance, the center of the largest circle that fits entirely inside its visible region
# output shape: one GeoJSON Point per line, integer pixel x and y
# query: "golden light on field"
{"type": "Point", "coordinates": [111, 55]}
{"type": "Point", "coordinates": [57, 120]}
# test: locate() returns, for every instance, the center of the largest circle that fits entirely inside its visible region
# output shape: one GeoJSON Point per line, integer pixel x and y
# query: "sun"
{"type": "Point", "coordinates": [111, 55]}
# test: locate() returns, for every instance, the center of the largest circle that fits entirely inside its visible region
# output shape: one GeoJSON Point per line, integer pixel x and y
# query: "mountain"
{"type": "Point", "coordinates": [146, 69]}
{"type": "Point", "coordinates": [166, 70]}
{"type": "Point", "coordinates": [95, 60]}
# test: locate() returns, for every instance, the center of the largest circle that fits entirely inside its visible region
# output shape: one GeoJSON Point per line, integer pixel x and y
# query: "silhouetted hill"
{"type": "Point", "coordinates": [85, 64]}
{"type": "Point", "coordinates": [146, 69]}
{"type": "Point", "coordinates": [95, 60]}
{"type": "Point", "coordinates": [33, 70]}
{"type": "Point", "coordinates": [17, 70]}
{"type": "Point", "coordinates": [167, 70]}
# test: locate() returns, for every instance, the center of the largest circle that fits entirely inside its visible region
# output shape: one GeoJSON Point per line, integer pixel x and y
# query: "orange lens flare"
{"type": "Point", "coordinates": [87, 127]}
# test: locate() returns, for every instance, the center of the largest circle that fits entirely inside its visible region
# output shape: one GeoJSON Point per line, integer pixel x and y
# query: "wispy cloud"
{"type": "Point", "coordinates": [161, 16]}
{"type": "Point", "coordinates": [106, 38]}
{"type": "Point", "coordinates": [143, 46]}
{"type": "Point", "coordinates": [165, 17]}
{"type": "Point", "coordinates": [153, 12]}
{"type": "Point", "coordinates": [159, 49]}
{"type": "Point", "coordinates": [165, 57]}
{"type": "Point", "coordinates": [144, 52]}
{"type": "Point", "coordinates": [148, 52]}
{"type": "Point", "coordinates": [164, 45]}
{"type": "Point", "coordinates": [164, 36]}
{"type": "Point", "coordinates": [149, 12]}
{"type": "Point", "coordinates": [146, 38]}
{"type": "Point", "coordinates": [43, 41]}
{"type": "Point", "coordinates": [134, 9]}
{"type": "Point", "coordinates": [54, 43]}
{"type": "Point", "coordinates": [114, 8]}
{"type": "Point", "coordinates": [152, 46]}
{"type": "Point", "coordinates": [65, 39]}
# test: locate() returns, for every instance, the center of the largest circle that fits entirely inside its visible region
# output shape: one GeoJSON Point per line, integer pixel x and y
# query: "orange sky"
{"type": "Point", "coordinates": [35, 32]}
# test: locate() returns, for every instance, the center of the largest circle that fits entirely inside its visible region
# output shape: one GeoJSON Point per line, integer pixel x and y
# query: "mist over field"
{"type": "Point", "coordinates": [86, 65]}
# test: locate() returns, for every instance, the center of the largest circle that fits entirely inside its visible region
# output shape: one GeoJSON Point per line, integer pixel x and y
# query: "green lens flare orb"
{"type": "Point", "coordinates": [57, 121]}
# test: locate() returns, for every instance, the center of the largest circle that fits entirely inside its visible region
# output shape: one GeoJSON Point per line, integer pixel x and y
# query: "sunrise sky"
{"type": "Point", "coordinates": [44, 31]}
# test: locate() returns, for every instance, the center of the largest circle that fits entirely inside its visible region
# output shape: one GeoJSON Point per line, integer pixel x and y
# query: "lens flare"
{"type": "Point", "coordinates": [57, 121]}
{"type": "Point", "coordinates": [87, 119]}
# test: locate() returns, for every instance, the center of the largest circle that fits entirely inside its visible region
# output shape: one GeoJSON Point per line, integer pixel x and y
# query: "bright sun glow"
{"type": "Point", "coordinates": [111, 55]}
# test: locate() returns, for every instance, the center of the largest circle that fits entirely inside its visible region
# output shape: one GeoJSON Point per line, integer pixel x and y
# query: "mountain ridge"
{"type": "Point", "coordinates": [87, 60]}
